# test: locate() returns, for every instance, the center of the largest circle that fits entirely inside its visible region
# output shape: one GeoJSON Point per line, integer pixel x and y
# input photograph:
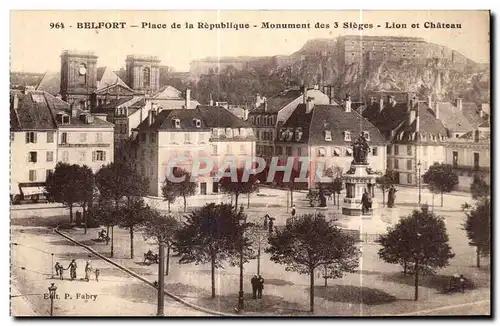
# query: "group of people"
{"type": "Point", "coordinates": [257, 286]}
{"type": "Point", "coordinates": [72, 270]}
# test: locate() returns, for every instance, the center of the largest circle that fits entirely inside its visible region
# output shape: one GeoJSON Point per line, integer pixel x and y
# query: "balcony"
{"type": "Point", "coordinates": [66, 145]}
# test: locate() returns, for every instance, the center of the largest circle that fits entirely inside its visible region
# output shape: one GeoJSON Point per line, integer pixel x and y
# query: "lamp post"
{"type": "Point", "coordinates": [52, 265]}
{"type": "Point", "coordinates": [161, 279]}
{"type": "Point", "coordinates": [52, 295]}
{"type": "Point", "coordinates": [242, 222]}
{"type": "Point", "coordinates": [418, 165]}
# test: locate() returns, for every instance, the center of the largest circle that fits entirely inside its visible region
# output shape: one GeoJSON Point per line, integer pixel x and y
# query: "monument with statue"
{"type": "Point", "coordinates": [358, 208]}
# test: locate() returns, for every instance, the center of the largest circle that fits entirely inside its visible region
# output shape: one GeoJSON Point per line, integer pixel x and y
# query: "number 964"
{"type": "Point", "coordinates": [56, 25]}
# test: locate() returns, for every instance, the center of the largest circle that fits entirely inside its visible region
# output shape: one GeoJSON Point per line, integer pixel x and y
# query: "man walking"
{"type": "Point", "coordinates": [260, 286]}
{"type": "Point", "coordinates": [254, 281]}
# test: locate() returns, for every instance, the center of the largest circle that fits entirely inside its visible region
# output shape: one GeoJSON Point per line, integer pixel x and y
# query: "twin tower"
{"type": "Point", "coordinates": [81, 78]}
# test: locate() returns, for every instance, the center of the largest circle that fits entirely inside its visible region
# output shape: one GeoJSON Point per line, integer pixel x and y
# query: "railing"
{"type": "Point", "coordinates": [85, 145]}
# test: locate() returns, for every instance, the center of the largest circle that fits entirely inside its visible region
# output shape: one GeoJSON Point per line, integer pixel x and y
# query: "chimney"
{"type": "Point", "coordinates": [409, 102]}
{"type": "Point", "coordinates": [429, 101]}
{"type": "Point", "coordinates": [188, 98]}
{"type": "Point", "coordinates": [73, 110]}
{"type": "Point", "coordinates": [417, 119]}
{"type": "Point", "coordinates": [304, 94]}
{"type": "Point", "coordinates": [347, 103]}
{"type": "Point", "coordinates": [436, 111]}
{"type": "Point", "coordinates": [309, 104]}
{"type": "Point", "coordinates": [381, 104]}
{"type": "Point", "coordinates": [332, 93]}
{"type": "Point", "coordinates": [265, 105]}
{"type": "Point", "coordinates": [15, 101]}
{"type": "Point", "coordinates": [458, 103]}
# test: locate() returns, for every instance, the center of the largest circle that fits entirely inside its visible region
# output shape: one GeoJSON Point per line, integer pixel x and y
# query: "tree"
{"type": "Point", "coordinates": [106, 214]}
{"type": "Point", "coordinates": [385, 182]}
{"type": "Point", "coordinates": [441, 177]}
{"type": "Point", "coordinates": [184, 188]}
{"type": "Point", "coordinates": [86, 182]}
{"type": "Point", "coordinates": [240, 186]}
{"type": "Point", "coordinates": [479, 188]}
{"type": "Point", "coordinates": [210, 234]}
{"type": "Point", "coordinates": [290, 184]}
{"type": "Point", "coordinates": [310, 241]}
{"type": "Point", "coordinates": [169, 192]}
{"type": "Point", "coordinates": [131, 215]}
{"type": "Point", "coordinates": [66, 186]}
{"type": "Point", "coordinates": [478, 228]}
{"type": "Point", "coordinates": [419, 239]}
{"type": "Point", "coordinates": [258, 238]}
{"type": "Point", "coordinates": [162, 228]}
{"type": "Point", "coordinates": [337, 185]}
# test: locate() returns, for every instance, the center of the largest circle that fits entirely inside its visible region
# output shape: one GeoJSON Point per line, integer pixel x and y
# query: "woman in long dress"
{"type": "Point", "coordinates": [72, 269]}
{"type": "Point", "coordinates": [88, 270]}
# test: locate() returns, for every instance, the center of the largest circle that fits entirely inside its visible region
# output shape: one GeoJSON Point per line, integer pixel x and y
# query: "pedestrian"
{"type": "Point", "coordinates": [88, 270]}
{"type": "Point", "coordinates": [293, 212]}
{"type": "Point", "coordinates": [265, 221]}
{"type": "Point", "coordinates": [462, 283]}
{"type": "Point", "coordinates": [260, 286]}
{"type": "Point", "coordinates": [97, 272]}
{"type": "Point", "coordinates": [254, 281]}
{"type": "Point", "coordinates": [56, 267]}
{"type": "Point", "coordinates": [271, 226]}
{"type": "Point", "coordinates": [72, 269]}
{"type": "Point", "coordinates": [61, 272]}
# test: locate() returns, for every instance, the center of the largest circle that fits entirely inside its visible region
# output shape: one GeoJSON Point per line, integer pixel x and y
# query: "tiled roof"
{"type": "Point", "coordinates": [331, 118]}
{"type": "Point", "coordinates": [279, 101]}
{"type": "Point", "coordinates": [390, 118]}
{"type": "Point", "coordinates": [32, 113]}
{"type": "Point", "coordinates": [428, 124]}
{"type": "Point", "coordinates": [452, 118]}
{"type": "Point", "coordinates": [210, 117]}
{"type": "Point", "coordinates": [50, 83]}
{"type": "Point", "coordinates": [471, 113]}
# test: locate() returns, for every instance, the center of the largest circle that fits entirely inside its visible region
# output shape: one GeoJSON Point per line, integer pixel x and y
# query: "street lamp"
{"type": "Point", "coordinates": [52, 295]}
{"type": "Point", "coordinates": [161, 278]}
{"type": "Point", "coordinates": [242, 221]}
{"type": "Point", "coordinates": [419, 183]}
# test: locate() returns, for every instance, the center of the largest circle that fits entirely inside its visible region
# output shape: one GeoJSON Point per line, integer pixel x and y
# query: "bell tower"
{"type": "Point", "coordinates": [143, 73]}
{"type": "Point", "coordinates": [78, 77]}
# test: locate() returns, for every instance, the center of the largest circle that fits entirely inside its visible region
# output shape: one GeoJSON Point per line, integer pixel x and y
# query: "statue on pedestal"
{"type": "Point", "coordinates": [360, 150]}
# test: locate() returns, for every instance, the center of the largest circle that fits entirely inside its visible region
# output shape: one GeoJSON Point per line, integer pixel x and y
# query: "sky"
{"type": "Point", "coordinates": [35, 47]}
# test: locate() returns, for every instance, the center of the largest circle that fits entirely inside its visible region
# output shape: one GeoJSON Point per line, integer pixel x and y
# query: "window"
{"type": "Point", "coordinates": [229, 132]}
{"type": "Point", "coordinates": [98, 156]}
{"type": "Point", "coordinates": [299, 151]}
{"type": "Point", "coordinates": [396, 164]}
{"type": "Point", "coordinates": [146, 77]}
{"type": "Point", "coordinates": [242, 149]}
{"type": "Point", "coordinates": [64, 138]}
{"type": "Point", "coordinates": [98, 137]}
{"type": "Point", "coordinates": [143, 137]}
{"type": "Point", "coordinates": [408, 165]}
{"type": "Point", "coordinates": [396, 150]}
{"type": "Point", "coordinates": [328, 135]}
{"type": "Point", "coordinates": [366, 135]}
{"type": "Point", "coordinates": [81, 156]}
{"type": "Point", "coordinates": [50, 137]}
{"type": "Point", "coordinates": [229, 149]}
{"type": "Point", "coordinates": [187, 138]}
{"type": "Point", "coordinates": [425, 150]}
{"type": "Point", "coordinates": [476, 160]}
{"type": "Point", "coordinates": [288, 151]}
{"type": "Point", "coordinates": [65, 156]}
{"type": "Point", "coordinates": [153, 137]}
{"type": "Point", "coordinates": [48, 172]}
{"type": "Point", "coordinates": [347, 136]}
{"type": "Point", "coordinates": [32, 157]}
{"type": "Point", "coordinates": [348, 152]}
{"type": "Point", "coordinates": [455, 159]}
{"type": "Point", "coordinates": [83, 137]}
{"type": "Point", "coordinates": [408, 150]}
{"type": "Point", "coordinates": [374, 151]}
{"type": "Point", "coordinates": [30, 137]}
{"type": "Point", "coordinates": [321, 152]}
{"type": "Point", "coordinates": [32, 175]}
{"type": "Point", "coordinates": [389, 164]}
{"type": "Point", "coordinates": [279, 150]}
{"type": "Point", "coordinates": [336, 152]}
{"type": "Point", "coordinates": [389, 147]}
{"type": "Point", "coordinates": [214, 150]}
{"type": "Point", "coordinates": [11, 136]}
{"type": "Point", "coordinates": [410, 178]}
{"type": "Point", "coordinates": [50, 156]}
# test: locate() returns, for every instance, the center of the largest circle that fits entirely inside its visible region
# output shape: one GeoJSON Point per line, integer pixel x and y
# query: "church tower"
{"type": "Point", "coordinates": [78, 77]}
{"type": "Point", "coordinates": [143, 73]}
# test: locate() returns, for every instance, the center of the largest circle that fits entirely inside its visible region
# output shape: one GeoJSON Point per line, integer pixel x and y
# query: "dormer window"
{"type": "Point", "coordinates": [289, 135]}
{"type": "Point", "coordinates": [321, 152]}
{"type": "Point", "coordinates": [366, 135]}
{"type": "Point", "coordinates": [197, 123]}
{"type": "Point", "coordinates": [282, 134]}
{"type": "Point", "coordinates": [348, 152]}
{"type": "Point", "coordinates": [347, 136]}
{"type": "Point", "coordinates": [229, 133]}
{"type": "Point", "coordinates": [176, 123]}
{"type": "Point", "coordinates": [328, 135]}
{"type": "Point", "coordinates": [298, 134]}
{"type": "Point", "coordinates": [336, 151]}
{"type": "Point", "coordinates": [243, 132]}
{"type": "Point", "coordinates": [63, 118]}
{"type": "Point", "coordinates": [422, 137]}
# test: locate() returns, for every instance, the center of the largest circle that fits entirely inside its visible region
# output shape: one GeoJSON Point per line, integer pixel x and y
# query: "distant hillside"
{"type": "Point", "coordinates": [18, 79]}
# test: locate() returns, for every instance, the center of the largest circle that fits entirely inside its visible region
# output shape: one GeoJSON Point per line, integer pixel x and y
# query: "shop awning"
{"type": "Point", "coordinates": [29, 191]}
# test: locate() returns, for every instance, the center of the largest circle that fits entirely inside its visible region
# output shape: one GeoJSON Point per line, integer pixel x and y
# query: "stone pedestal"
{"type": "Point", "coordinates": [358, 179]}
